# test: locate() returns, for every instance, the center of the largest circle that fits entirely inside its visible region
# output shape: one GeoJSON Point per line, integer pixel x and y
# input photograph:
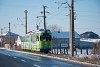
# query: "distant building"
{"type": "Point", "coordinates": [8, 39]}
{"type": "Point", "coordinates": [89, 35]}
{"type": "Point", "coordinates": [88, 43]}
{"type": "Point", "coordinates": [61, 39]}
{"type": "Point", "coordinates": [88, 40]}
{"type": "Point", "coordinates": [18, 42]}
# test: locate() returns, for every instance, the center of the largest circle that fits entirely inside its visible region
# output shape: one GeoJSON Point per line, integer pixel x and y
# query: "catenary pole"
{"type": "Point", "coordinates": [1, 31]}
{"type": "Point", "coordinates": [44, 18]}
{"type": "Point", "coordinates": [1, 36]}
{"type": "Point", "coordinates": [72, 28]}
{"type": "Point", "coordinates": [26, 21]}
{"type": "Point", "coordinates": [9, 36]}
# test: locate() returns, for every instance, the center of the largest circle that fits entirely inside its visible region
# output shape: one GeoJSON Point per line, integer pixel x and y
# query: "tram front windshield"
{"type": "Point", "coordinates": [45, 38]}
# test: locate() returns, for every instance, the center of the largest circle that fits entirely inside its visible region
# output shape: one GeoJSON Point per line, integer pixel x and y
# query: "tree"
{"type": "Point", "coordinates": [54, 28]}
{"type": "Point", "coordinates": [97, 48]}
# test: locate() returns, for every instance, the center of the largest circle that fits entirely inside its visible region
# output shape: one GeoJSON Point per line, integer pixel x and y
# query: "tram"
{"type": "Point", "coordinates": [37, 41]}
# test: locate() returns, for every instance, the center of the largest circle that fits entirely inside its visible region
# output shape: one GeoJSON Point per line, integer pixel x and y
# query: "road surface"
{"type": "Point", "coordinates": [9, 58]}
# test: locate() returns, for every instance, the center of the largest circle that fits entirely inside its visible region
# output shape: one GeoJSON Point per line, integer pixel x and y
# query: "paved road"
{"type": "Point", "coordinates": [15, 59]}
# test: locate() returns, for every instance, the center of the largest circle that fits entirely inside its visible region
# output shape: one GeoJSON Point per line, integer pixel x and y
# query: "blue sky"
{"type": "Point", "coordinates": [87, 15]}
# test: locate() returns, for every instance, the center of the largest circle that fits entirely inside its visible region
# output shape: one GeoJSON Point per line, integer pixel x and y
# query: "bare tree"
{"type": "Point", "coordinates": [97, 48]}
{"type": "Point", "coordinates": [54, 28]}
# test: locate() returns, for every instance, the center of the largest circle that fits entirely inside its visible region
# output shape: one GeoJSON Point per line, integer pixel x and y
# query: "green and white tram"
{"type": "Point", "coordinates": [37, 41]}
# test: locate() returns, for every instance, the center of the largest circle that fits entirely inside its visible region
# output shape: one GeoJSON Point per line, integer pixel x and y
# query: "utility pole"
{"type": "Point", "coordinates": [26, 21]}
{"type": "Point", "coordinates": [72, 44]}
{"type": "Point", "coordinates": [72, 36]}
{"type": "Point", "coordinates": [1, 31]}
{"type": "Point", "coordinates": [44, 18]}
{"type": "Point", "coordinates": [9, 36]}
{"type": "Point", "coordinates": [37, 26]}
{"type": "Point", "coordinates": [9, 26]}
{"type": "Point", "coordinates": [44, 12]}
{"type": "Point", "coordinates": [1, 36]}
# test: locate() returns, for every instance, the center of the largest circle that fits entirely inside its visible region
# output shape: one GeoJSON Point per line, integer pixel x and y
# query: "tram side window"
{"type": "Point", "coordinates": [27, 38]}
{"type": "Point", "coordinates": [23, 39]}
{"type": "Point", "coordinates": [42, 38]}
{"type": "Point", "coordinates": [37, 38]}
{"type": "Point", "coordinates": [33, 38]}
{"type": "Point", "coordinates": [45, 38]}
{"type": "Point", "coordinates": [48, 38]}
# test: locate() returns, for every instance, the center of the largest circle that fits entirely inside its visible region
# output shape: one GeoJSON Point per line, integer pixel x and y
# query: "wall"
{"type": "Point", "coordinates": [56, 42]}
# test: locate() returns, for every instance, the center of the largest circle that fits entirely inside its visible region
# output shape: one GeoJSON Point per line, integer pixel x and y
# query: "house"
{"type": "Point", "coordinates": [88, 43]}
{"type": "Point", "coordinates": [18, 42]}
{"type": "Point", "coordinates": [8, 39]}
{"type": "Point", "coordinates": [61, 39]}
{"type": "Point", "coordinates": [88, 40]}
{"type": "Point", "coordinates": [89, 35]}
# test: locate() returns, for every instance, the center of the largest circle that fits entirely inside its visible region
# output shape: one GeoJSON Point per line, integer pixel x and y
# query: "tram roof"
{"type": "Point", "coordinates": [42, 31]}
{"type": "Point", "coordinates": [39, 31]}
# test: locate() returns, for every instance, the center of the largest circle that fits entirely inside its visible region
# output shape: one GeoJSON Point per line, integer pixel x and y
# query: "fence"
{"type": "Point", "coordinates": [66, 51]}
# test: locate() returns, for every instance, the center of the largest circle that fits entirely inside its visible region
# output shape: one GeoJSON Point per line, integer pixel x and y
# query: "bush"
{"type": "Point", "coordinates": [97, 48]}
